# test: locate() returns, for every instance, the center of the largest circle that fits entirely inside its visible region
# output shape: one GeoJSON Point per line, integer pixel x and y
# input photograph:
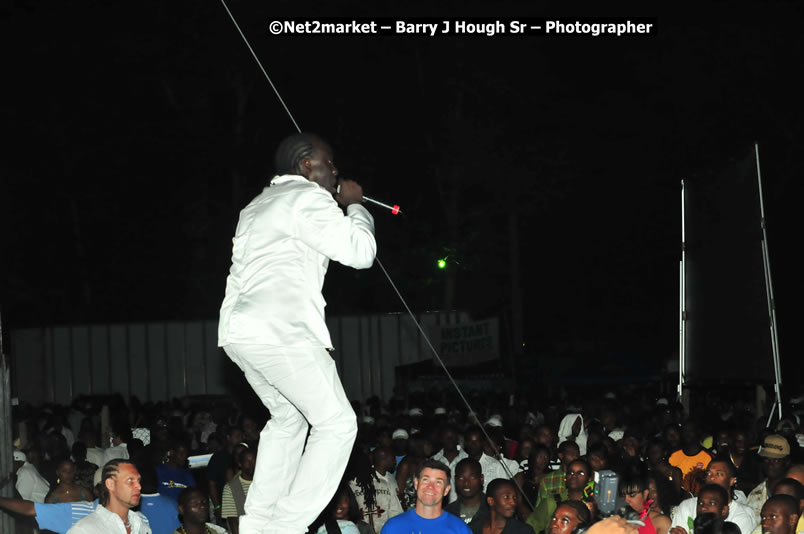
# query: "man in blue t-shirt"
{"type": "Point", "coordinates": [174, 476]}
{"type": "Point", "coordinates": [432, 485]}
{"type": "Point", "coordinates": [162, 512]}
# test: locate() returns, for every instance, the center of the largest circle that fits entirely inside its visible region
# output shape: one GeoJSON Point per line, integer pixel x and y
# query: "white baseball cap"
{"type": "Point", "coordinates": [494, 420]}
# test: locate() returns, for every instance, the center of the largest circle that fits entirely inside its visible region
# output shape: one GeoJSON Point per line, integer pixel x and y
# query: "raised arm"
{"type": "Point", "coordinates": [18, 506]}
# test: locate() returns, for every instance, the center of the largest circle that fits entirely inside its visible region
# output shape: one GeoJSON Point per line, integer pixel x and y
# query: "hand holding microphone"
{"type": "Point", "coordinates": [348, 190]}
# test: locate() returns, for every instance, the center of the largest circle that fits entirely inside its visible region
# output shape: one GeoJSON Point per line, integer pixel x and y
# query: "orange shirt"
{"type": "Point", "coordinates": [692, 468]}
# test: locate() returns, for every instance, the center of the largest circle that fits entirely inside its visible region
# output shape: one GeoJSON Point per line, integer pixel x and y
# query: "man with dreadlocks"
{"type": "Point", "coordinates": [119, 493]}
{"type": "Point", "coordinates": [272, 326]}
{"type": "Point", "coordinates": [374, 486]}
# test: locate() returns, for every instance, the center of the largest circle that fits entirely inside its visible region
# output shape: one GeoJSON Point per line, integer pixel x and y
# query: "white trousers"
{"type": "Point", "coordinates": [298, 386]}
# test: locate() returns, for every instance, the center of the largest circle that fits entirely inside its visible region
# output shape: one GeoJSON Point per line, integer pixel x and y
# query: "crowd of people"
{"type": "Point", "coordinates": [421, 462]}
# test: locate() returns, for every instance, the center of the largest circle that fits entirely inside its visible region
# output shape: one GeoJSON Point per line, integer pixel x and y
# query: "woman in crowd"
{"type": "Point", "coordinates": [84, 470]}
{"type": "Point", "coordinates": [635, 489]}
{"type": "Point", "coordinates": [341, 516]}
{"type": "Point", "coordinates": [568, 517]}
{"type": "Point", "coordinates": [522, 452]}
{"type": "Point", "coordinates": [538, 466]}
{"type": "Point", "coordinates": [663, 493]}
{"type": "Point", "coordinates": [578, 477]}
{"type": "Point", "coordinates": [657, 462]}
{"type": "Point", "coordinates": [67, 490]}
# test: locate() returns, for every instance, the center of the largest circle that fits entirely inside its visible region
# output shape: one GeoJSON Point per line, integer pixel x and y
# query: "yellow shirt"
{"type": "Point", "coordinates": [691, 467]}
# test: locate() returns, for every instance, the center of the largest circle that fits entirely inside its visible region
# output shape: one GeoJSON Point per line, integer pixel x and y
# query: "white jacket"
{"type": "Point", "coordinates": [385, 498]}
{"type": "Point", "coordinates": [282, 247]}
{"type": "Point", "coordinates": [565, 431]}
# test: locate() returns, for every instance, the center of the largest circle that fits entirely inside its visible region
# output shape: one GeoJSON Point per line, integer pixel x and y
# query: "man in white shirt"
{"type": "Point", "coordinates": [272, 326]}
{"type": "Point", "coordinates": [686, 512]}
{"type": "Point", "coordinates": [30, 484]}
{"type": "Point", "coordinates": [121, 433]}
{"type": "Point", "coordinates": [120, 492]}
{"type": "Point", "coordinates": [493, 465]}
{"type": "Point", "coordinates": [94, 453]}
{"type": "Point", "coordinates": [450, 454]}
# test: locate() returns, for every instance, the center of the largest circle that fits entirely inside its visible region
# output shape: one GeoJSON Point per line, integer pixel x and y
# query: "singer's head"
{"type": "Point", "coordinates": [307, 155]}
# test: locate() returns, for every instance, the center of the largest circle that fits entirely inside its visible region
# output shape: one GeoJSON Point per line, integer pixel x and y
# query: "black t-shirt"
{"type": "Point", "coordinates": [455, 509]}
{"type": "Point", "coordinates": [512, 526]}
{"type": "Point", "coordinates": [216, 469]}
{"type": "Point", "coordinates": [749, 474]}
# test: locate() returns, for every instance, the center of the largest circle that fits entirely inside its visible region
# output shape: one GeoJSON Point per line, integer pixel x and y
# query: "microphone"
{"type": "Point", "coordinates": [394, 209]}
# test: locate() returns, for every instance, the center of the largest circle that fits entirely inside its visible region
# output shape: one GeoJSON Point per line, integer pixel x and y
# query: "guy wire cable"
{"type": "Point", "coordinates": [412, 316]}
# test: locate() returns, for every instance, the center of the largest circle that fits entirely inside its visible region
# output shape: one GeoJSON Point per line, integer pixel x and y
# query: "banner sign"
{"type": "Point", "coordinates": [467, 343]}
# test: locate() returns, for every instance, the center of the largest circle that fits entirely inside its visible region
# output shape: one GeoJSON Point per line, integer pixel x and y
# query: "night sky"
{"type": "Point", "coordinates": [135, 132]}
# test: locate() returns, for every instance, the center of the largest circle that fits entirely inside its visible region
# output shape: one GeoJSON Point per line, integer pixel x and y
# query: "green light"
{"type": "Point", "coordinates": [442, 263]}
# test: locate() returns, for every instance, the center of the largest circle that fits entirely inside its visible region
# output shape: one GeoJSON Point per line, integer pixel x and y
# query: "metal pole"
{"type": "Point", "coordinates": [777, 368]}
{"type": "Point", "coordinates": [682, 307]}
{"type": "Point", "coordinates": [770, 414]}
